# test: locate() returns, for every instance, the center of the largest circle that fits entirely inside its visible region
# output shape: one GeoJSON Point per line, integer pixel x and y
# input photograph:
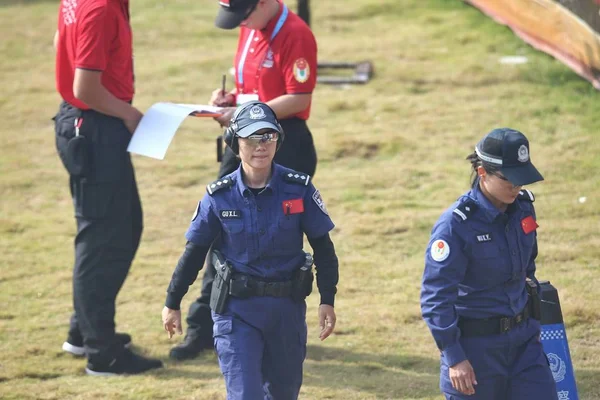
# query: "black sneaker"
{"type": "Point", "coordinates": [127, 363]}
{"type": "Point", "coordinates": [74, 345]}
{"type": "Point", "coordinates": [190, 348]}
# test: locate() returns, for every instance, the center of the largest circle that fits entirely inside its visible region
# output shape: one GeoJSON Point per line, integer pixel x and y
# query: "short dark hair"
{"type": "Point", "coordinates": [478, 162]}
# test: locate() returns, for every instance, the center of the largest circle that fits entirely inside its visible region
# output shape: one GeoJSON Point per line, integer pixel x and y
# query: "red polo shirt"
{"type": "Point", "coordinates": [285, 65]}
{"type": "Point", "coordinates": [95, 35]}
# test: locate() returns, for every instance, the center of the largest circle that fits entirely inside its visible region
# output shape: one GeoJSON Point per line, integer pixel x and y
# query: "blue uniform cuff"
{"type": "Point", "coordinates": [173, 301]}
{"type": "Point", "coordinates": [454, 354]}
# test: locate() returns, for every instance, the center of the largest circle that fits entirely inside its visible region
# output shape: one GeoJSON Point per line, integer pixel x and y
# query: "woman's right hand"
{"type": "Point", "coordinates": [219, 98]}
{"type": "Point", "coordinates": [463, 378]}
{"type": "Point", "coordinates": [172, 321]}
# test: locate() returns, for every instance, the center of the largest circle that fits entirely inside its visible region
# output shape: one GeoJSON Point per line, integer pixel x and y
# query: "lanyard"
{"type": "Point", "coordinates": [242, 62]}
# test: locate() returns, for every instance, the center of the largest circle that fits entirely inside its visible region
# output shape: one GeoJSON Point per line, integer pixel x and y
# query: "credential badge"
{"type": "Point", "coordinates": [523, 154]}
{"type": "Point", "coordinates": [256, 112]}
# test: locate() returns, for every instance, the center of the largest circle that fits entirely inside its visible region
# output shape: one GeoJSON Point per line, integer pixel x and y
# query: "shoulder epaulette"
{"type": "Point", "coordinates": [297, 177]}
{"type": "Point", "coordinates": [526, 195]}
{"type": "Point", "coordinates": [465, 209]}
{"type": "Point", "coordinates": [218, 185]}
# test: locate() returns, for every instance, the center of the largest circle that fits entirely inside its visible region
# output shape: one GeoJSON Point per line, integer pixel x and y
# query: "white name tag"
{"type": "Point", "coordinates": [244, 98]}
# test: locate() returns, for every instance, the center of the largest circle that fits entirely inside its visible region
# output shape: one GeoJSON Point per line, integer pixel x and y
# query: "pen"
{"type": "Point", "coordinates": [223, 81]}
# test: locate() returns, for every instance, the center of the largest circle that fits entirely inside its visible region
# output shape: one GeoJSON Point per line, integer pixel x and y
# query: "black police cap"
{"type": "Point", "coordinates": [250, 118]}
{"type": "Point", "coordinates": [508, 150]}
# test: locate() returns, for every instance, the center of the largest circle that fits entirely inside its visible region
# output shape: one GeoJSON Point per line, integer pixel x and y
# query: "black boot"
{"type": "Point", "coordinates": [190, 348]}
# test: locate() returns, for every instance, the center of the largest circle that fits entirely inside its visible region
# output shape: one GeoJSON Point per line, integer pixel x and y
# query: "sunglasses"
{"type": "Point", "coordinates": [255, 140]}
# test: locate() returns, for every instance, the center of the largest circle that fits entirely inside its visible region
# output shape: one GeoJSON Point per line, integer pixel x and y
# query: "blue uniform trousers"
{"type": "Point", "coordinates": [509, 366]}
{"type": "Point", "coordinates": [261, 345]}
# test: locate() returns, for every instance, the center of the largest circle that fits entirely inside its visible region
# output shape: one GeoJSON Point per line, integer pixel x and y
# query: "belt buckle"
{"type": "Point", "coordinates": [504, 324]}
{"type": "Point", "coordinates": [518, 318]}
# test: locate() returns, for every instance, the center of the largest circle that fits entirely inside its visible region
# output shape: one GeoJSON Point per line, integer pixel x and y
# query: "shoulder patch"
{"type": "Point", "coordinates": [440, 250]}
{"type": "Point", "coordinates": [219, 184]}
{"type": "Point", "coordinates": [526, 195]}
{"type": "Point", "coordinates": [465, 210]}
{"type": "Point", "coordinates": [297, 177]}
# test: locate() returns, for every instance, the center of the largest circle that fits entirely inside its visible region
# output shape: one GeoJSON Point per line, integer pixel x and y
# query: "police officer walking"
{"type": "Point", "coordinates": [94, 76]}
{"type": "Point", "coordinates": [276, 63]}
{"type": "Point", "coordinates": [479, 265]}
{"type": "Point", "coordinates": [255, 219]}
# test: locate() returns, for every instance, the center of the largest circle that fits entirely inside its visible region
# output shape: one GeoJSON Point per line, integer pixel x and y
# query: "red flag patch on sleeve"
{"type": "Point", "coordinates": [294, 206]}
{"type": "Point", "coordinates": [529, 225]}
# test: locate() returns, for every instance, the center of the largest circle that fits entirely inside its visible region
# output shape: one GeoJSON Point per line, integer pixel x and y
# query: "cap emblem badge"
{"type": "Point", "coordinates": [257, 112]}
{"type": "Point", "coordinates": [523, 154]}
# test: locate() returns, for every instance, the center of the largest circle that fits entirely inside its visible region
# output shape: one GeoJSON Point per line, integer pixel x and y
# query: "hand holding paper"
{"type": "Point", "coordinates": [160, 123]}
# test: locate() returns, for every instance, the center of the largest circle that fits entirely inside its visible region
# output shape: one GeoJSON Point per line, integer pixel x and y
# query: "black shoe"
{"type": "Point", "coordinates": [127, 363]}
{"type": "Point", "coordinates": [74, 345]}
{"type": "Point", "coordinates": [190, 348]}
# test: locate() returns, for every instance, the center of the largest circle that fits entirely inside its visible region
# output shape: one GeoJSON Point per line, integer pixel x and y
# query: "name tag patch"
{"type": "Point", "coordinates": [484, 238]}
{"type": "Point", "coordinates": [230, 214]}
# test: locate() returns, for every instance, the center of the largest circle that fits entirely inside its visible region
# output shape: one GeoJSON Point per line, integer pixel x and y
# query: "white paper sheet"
{"type": "Point", "coordinates": [155, 131]}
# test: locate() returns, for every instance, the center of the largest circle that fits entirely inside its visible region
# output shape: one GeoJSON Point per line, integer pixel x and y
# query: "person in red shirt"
{"type": "Point", "coordinates": [276, 63]}
{"type": "Point", "coordinates": [94, 77]}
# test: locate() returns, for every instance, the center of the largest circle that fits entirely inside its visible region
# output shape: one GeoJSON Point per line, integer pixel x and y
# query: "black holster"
{"type": "Point", "coordinates": [220, 287]}
{"type": "Point", "coordinates": [534, 302]}
{"type": "Point", "coordinates": [303, 280]}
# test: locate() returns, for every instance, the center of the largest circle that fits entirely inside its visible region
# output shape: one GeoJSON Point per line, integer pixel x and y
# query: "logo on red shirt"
{"type": "Point", "coordinates": [301, 70]}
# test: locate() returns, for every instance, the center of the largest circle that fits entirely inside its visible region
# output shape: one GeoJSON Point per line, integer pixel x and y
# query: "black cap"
{"type": "Point", "coordinates": [232, 12]}
{"type": "Point", "coordinates": [251, 117]}
{"type": "Point", "coordinates": [508, 150]}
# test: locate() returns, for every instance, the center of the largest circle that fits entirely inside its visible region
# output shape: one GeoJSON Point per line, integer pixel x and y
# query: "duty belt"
{"type": "Point", "coordinates": [246, 286]}
{"type": "Point", "coordinates": [491, 326]}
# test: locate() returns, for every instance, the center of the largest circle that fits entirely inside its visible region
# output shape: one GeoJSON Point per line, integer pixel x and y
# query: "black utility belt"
{"type": "Point", "coordinates": [491, 326]}
{"type": "Point", "coordinates": [245, 286]}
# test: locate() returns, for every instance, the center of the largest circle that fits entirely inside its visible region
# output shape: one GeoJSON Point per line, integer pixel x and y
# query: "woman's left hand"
{"type": "Point", "coordinates": [326, 320]}
{"type": "Point", "coordinates": [172, 321]}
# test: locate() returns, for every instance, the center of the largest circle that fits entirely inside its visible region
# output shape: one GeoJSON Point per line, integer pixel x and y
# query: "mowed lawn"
{"type": "Point", "coordinates": [391, 159]}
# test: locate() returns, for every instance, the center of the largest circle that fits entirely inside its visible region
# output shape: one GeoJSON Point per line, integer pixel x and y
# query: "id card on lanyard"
{"type": "Point", "coordinates": [245, 97]}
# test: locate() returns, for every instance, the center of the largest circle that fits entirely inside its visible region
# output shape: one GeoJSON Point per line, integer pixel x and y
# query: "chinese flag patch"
{"type": "Point", "coordinates": [529, 225]}
{"type": "Point", "coordinates": [295, 206]}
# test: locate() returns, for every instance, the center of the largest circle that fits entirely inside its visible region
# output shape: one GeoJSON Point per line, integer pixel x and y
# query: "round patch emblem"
{"type": "Point", "coordinates": [256, 112]}
{"type": "Point", "coordinates": [440, 250]}
{"type": "Point", "coordinates": [523, 154]}
{"type": "Point", "coordinates": [301, 70]}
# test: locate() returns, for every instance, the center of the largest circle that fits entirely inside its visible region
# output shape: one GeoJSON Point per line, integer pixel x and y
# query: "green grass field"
{"type": "Point", "coordinates": [391, 159]}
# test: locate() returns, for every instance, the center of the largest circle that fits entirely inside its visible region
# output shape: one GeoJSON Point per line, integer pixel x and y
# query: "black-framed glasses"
{"type": "Point", "coordinates": [503, 178]}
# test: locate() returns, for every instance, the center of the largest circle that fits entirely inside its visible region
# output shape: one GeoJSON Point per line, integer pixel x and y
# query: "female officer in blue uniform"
{"type": "Point", "coordinates": [474, 297]}
{"type": "Point", "coordinates": [256, 217]}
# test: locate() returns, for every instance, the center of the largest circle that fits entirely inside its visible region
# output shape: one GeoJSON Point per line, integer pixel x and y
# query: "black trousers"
{"type": "Point", "coordinates": [109, 218]}
{"type": "Point", "coordinates": [297, 152]}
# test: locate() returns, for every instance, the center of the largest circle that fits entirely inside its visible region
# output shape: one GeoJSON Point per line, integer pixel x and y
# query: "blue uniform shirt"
{"type": "Point", "coordinates": [476, 264]}
{"type": "Point", "coordinates": [261, 235]}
